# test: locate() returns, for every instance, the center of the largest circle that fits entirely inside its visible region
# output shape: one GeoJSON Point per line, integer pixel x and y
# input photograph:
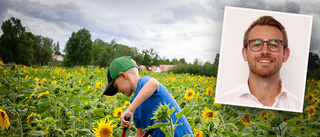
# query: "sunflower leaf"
{"type": "Point", "coordinates": [157, 125]}
{"type": "Point", "coordinates": [37, 133]}
{"type": "Point", "coordinates": [184, 110]}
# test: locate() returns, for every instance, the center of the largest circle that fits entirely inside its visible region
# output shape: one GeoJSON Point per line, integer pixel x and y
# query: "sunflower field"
{"type": "Point", "coordinates": [55, 101]}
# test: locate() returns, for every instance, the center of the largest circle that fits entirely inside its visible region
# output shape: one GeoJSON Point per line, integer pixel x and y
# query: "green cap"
{"type": "Point", "coordinates": [118, 65]}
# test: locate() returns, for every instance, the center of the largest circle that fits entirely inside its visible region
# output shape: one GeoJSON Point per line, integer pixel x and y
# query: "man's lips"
{"type": "Point", "coordinates": [265, 61]}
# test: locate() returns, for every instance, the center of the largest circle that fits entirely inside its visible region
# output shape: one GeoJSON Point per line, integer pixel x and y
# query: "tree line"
{"type": "Point", "coordinates": [313, 66]}
{"type": "Point", "coordinates": [21, 47]}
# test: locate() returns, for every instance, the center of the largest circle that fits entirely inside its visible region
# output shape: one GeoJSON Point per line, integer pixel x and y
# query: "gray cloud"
{"type": "Point", "coordinates": [142, 23]}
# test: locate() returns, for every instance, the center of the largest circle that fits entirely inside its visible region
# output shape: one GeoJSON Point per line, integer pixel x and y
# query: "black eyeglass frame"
{"type": "Point", "coordinates": [268, 44]}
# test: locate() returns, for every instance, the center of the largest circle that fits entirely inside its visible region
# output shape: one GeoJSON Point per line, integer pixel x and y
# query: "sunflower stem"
{"type": "Point", "coordinates": [20, 123]}
{"type": "Point", "coordinates": [171, 126]}
{"type": "Point", "coordinates": [74, 128]}
{"type": "Point", "coordinates": [55, 107]}
{"type": "Point", "coordinates": [89, 120]}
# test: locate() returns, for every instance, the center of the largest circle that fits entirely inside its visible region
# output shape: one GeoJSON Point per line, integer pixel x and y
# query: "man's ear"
{"type": "Point", "coordinates": [123, 75]}
{"type": "Point", "coordinates": [286, 54]}
{"type": "Point", "coordinates": [244, 54]}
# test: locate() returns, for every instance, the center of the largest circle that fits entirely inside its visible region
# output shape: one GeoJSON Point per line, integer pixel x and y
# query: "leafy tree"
{"type": "Point", "coordinates": [137, 56]}
{"type": "Point", "coordinates": [103, 59]}
{"type": "Point", "coordinates": [165, 61]}
{"type": "Point", "coordinates": [183, 61]}
{"type": "Point", "coordinates": [46, 50]}
{"type": "Point", "coordinates": [216, 59]}
{"type": "Point", "coordinates": [313, 66]}
{"type": "Point", "coordinates": [175, 61]}
{"type": "Point", "coordinates": [79, 49]}
{"type": "Point", "coordinates": [56, 49]}
{"type": "Point", "coordinates": [123, 50]}
{"type": "Point", "coordinates": [98, 47]}
{"type": "Point", "coordinates": [156, 60]}
{"type": "Point", "coordinates": [13, 47]}
{"type": "Point", "coordinates": [148, 56]}
{"type": "Point", "coordinates": [42, 49]}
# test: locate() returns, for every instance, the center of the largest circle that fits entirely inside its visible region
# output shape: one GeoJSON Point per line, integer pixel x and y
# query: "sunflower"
{"type": "Point", "coordinates": [262, 116]}
{"type": "Point", "coordinates": [126, 104]}
{"type": "Point", "coordinates": [216, 104]}
{"type": "Point", "coordinates": [189, 94]}
{"type": "Point", "coordinates": [89, 87]}
{"type": "Point", "coordinates": [4, 119]}
{"type": "Point", "coordinates": [316, 100]}
{"type": "Point", "coordinates": [197, 96]}
{"type": "Point", "coordinates": [208, 113]}
{"type": "Point", "coordinates": [312, 110]}
{"type": "Point", "coordinates": [166, 80]}
{"type": "Point", "coordinates": [195, 85]}
{"type": "Point", "coordinates": [198, 133]}
{"type": "Point", "coordinates": [80, 80]}
{"type": "Point", "coordinates": [31, 118]}
{"type": "Point", "coordinates": [104, 128]}
{"type": "Point", "coordinates": [98, 85]}
{"type": "Point", "coordinates": [310, 97]}
{"type": "Point", "coordinates": [173, 79]}
{"type": "Point", "coordinates": [211, 80]}
{"type": "Point", "coordinates": [43, 94]}
{"type": "Point", "coordinates": [31, 96]}
{"type": "Point", "coordinates": [117, 112]}
{"type": "Point", "coordinates": [245, 120]}
{"type": "Point", "coordinates": [54, 82]}
{"type": "Point", "coordinates": [209, 91]}
{"type": "Point", "coordinates": [315, 92]}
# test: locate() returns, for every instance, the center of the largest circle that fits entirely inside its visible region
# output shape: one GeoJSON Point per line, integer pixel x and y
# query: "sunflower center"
{"type": "Point", "coordinates": [105, 132]}
{"type": "Point", "coordinates": [246, 117]}
{"type": "Point", "coordinates": [311, 111]}
{"type": "Point", "coordinates": [119, 113]}
{"type": "Point", "coordinates": [190, 94]}
{"type": "Point", "coordinates": [210, 114]}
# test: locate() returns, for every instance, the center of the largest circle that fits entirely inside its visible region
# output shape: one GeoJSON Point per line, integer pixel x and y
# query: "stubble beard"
{"type": "Point", "coordinates": [264, 72]}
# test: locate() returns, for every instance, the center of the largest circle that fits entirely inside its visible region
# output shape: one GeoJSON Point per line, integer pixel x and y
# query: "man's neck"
{"type": "Point", "coordinates": [265, 89]}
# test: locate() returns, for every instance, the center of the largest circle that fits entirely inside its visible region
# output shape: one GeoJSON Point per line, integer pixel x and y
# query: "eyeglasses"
{"type": "Point", "coordinates": [257, 44]}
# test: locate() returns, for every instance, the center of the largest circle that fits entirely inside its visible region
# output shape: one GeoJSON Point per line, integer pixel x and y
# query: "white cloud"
{"type": "Point", "coordinates": [175, 29]}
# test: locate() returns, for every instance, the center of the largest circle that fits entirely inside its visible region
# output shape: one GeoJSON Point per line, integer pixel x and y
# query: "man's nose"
{"type": "Point", "coordinates": [265, 49]}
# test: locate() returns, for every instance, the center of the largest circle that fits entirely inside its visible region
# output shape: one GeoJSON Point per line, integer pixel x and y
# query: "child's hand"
{"type": "Point", "coordinates": [125, 123]}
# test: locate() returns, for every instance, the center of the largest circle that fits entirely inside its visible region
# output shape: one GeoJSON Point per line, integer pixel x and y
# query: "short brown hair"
{"type": "Point", "coordinates": [266, 21]}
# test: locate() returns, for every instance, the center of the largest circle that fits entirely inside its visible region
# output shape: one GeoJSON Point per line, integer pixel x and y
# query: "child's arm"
{"type": "Point", "coordinates": [146, 91]}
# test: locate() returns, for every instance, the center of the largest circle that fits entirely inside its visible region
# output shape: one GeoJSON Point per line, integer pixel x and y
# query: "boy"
{"type": "Point", "coordinates": [123, 77]}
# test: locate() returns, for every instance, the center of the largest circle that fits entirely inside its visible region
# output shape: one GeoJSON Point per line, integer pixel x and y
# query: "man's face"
{"type": "Point", "coordinates": [265, 63]}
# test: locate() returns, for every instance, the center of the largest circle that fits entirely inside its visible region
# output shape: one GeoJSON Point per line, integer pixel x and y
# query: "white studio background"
{"type": "Point", "coordinates": [233, 70]}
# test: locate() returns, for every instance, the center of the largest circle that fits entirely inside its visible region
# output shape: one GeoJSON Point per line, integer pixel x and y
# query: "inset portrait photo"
{"type": "Point", "coordinates": [263, 59]}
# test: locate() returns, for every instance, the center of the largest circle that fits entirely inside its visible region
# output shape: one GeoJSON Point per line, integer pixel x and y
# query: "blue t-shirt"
{"type": "Point", "coordinates": [143, 114]}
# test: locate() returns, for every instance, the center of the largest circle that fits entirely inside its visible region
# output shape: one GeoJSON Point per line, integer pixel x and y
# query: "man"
{"type": "Point", "coordinates": [265, 48]}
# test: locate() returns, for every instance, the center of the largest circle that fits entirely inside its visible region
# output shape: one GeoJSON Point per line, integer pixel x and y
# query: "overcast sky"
{"type": "Point", "coordinates": [187, 29]}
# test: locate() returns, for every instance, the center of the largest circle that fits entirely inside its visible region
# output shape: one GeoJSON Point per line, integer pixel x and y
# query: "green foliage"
{"type": "Point", "coordinates": [313, 66]}
{"type": "Point", "coordinates": [75, 103]}
{"type": "Point", "coordinates": [20, 47]}
{"type": "Point", "coordinates": [56, 49]}
{"type": "Point", "coordinates": [79, 49]}
{"type": "Point", "coordinates": [165, 112]}
{"type": "Point", "coordinates": [207, 69]}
